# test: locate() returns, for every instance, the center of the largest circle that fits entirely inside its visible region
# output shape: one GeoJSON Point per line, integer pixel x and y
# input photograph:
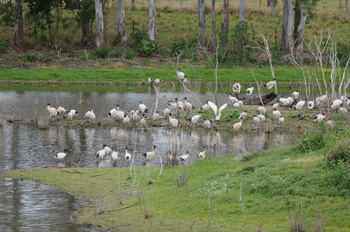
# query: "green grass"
{"type": "Point", "coordinates": [133, 74]}
{"type": "Point", "coordinates": [270, 185]}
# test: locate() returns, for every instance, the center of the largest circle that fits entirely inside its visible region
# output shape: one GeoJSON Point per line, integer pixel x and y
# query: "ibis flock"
{"type": "Point", "coordinates": [176, 108]}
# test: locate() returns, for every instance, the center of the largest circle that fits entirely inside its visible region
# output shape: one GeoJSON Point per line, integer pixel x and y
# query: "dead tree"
{"type": "Point", "coordinates": [18, 23]}
{"type": "Point", "coordinates": [152, 20]}
{"type": "Point", "coordinates": [225, 23]}
{"type": "Point", "coordinates": [100, 40]}
{"type": "Point", "coordinates": [121, 22]}
{"type": "Point", "coordinates": [202, 33]}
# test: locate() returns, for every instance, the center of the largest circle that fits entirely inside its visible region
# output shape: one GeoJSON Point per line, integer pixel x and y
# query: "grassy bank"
{"type": "Point", "coordinates": [235, 193]}
{"type": "Point", "coordinates": [133, 74]}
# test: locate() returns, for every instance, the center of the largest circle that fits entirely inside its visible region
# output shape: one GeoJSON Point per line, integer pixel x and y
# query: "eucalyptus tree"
{"type": "Point", "coordinates": [225, 24]}
{"type": "Point", "coordinates": [152, 20]}
{"type": "Point", "coordinates": [18, 22]}
{"type": "Point", "coordinates": [121, 22]}
{"type": "Point", "coordinates": [202, 33]}
{"type": "Point", "coordinates": [241, 11]}
{"type": "Point", "coordinates": [100, 39]}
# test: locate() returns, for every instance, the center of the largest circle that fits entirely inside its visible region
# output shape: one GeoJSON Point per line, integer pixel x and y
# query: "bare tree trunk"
{"type": "Point", "coordinates": [225, 23]}
{"type": "Point", "coordinates": [272, 8]}
{"type": "Point", "coordinates": [132, 4]}
{"type": "Point", "coordinates": [152, 20]}
{"type": "Point", "coordinates": [213, 23]}
{"type": "Point", "coordinates": [269, 3]}
{"type": "Point", "coordinates": [18, 23]}
{"type": "Point", "coordinates": [340, 4]}
{"type": "Point", "coordinates": [347, 8]}
{"type": "Point", "coordinates": [241, 11]}
{"type": "Point", "coordinates": [121, 22]}
{"type": "Point", "coordinates": [287, 25]}
{"type": "Point", "coordinates": [202, 34]}
{"type": "Point", "coordinates": [260, 3]}
{"type": "Point", "coordinates": [299, 37]}
{"type": "Point", "coordinates": [100, 40]}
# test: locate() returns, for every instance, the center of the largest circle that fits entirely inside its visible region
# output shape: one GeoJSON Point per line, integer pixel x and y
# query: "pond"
{"type": "Point", "coordinates": [27, 206]}
{"type": "Point", "coordinates": [23, 145]}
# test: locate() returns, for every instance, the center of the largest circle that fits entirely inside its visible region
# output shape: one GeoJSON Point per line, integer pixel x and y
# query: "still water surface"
{"type": "Point", "coordinates": [25, 204]}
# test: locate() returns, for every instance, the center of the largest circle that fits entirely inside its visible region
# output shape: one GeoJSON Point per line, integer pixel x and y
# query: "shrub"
{"type": "Point", "coordinates": [340, 152]}
{"type": "Point", "coordinates": [313, 141]}
{"type": "Point", "coordinates": [4, 45]}
{"type": "Point", "coordinates": [343, 53]}
{"type": "Point", "coordinates": [145, 46]}
{"type": "Point", "coordinates": [102, 52]}
{"type": "Point", "coordinates": [177, 46]}
{"type": "Point", "coordinates": [164, 52]}
{"type": "Point", "coordinates": [30, 57]}
{"type": "Point", "coordinates": [119, 52]}
{"type": "Point", "coordinates": [130, 53]}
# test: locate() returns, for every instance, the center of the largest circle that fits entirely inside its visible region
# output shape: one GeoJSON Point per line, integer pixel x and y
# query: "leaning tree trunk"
{"type": "Point", "coordinates": [241, 11]}
{"type": "Point", "coordinates": [272, 8]}
{"type": "Point", "coordinates": [18, 23]}
{"type": "Point", "coordinates": [152, 20]}
{"type": "Point", "coordinates": [202, 33]}
{"type": "Point", "coordinates": [287, 25]}
{"type": "Point", "coordinates": [100, 40]}
{"type": "Point", "coordinates": [121, 22]}
{"type": "Point", "coordinates": [213, 23]}
{"type": "Point", "coordinates": [299, 37]}
{"type": "Point", "coordinates": [225, 23]}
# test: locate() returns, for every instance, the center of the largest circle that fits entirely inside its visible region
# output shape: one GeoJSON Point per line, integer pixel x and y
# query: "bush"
{"type": "Point", "coordinates": [102, 52]}
{"type": "Point", "coordinates": [313, 141]}
{"type": "Point", "coordinates": [343, 53]}
{"type": "Point", "coordinates": [145, 46]}
{"type": "Point", "coordinates": [30, 57]}
{"type": "Point", "coordinates": [130, 53]}
{"type": "Point", "coordinates": [340, 152]}
{"type": "Point", "coordinates": [164, 52]}
{"type": "Point", "coordinates": [177, 46]}
{"type": "Point", "coordinates": [119, 52]}
{"type": "Point", "coordinates": [4, 45]}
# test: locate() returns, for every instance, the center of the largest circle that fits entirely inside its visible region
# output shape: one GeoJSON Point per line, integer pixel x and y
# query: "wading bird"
{"type": "Point", "coordinates": [90, 114]}
{"type": "Point", "coordinates": [150, 154]}
{"type": "Point", "coordinates": [127, 154]}
{"type": "Point", "coordinates": [143, 108]}
{"type": "Point", "coordinates": [61, 155]}
{"type": "Point", "coordinates": [185, 156]}
{"type": "Point", "coordinates": [71, 113]}
{"type": "Point", "coordinates": [173, 121]}
{"type": "Point", "coordinates": [53, 111]}
{"type": "Point", "coordinates": [217, 110]}
{"type": "Point", "coordinates": [181, 75]}
{"type": "Point", "coordinates": [236, 88]}
{"type": "Point", "coordinates": [250, 91]}
{"type": "Point", "coordinates": [237, 125]}
{"type": "Point", "coordinates": [270, 84]}
{"type": "Point", "coordinates": [195, 119]}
